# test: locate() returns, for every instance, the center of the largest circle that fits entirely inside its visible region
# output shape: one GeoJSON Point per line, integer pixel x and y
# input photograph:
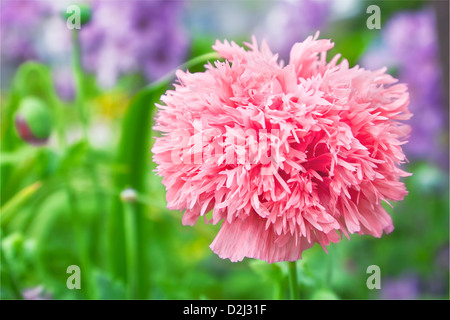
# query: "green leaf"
{"type": "Point", "coordinates": [15, 203]}
{"type": "Point", "coordinates": [108, 288]}
{"type": "Point", "coordinates": [16, 156]}
{"type": "Point", "coordinates": [12, 245]}
{"type": "Point", "coordinates": [73, 156]}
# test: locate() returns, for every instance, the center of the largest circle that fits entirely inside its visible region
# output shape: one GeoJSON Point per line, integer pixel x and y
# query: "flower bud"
{"type": "Point", "coordinates": [128, 195]}
{"type": "Point", "coordinates": [33, 121]}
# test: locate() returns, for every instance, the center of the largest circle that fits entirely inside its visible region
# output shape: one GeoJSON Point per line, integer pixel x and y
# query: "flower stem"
{"type": "Point", "coordinates": [131, 246]}
{"type": "Point", "coordinates": [191, 63]}
{"type": "Point", "coordinates": [80, 103]}
{"type": "Point", "coordinates": [293, 285]}
{"type": "Point", "coordinates": [73, 198]}
{"type": "Point", "coordinates": [81, 244]}
{"type": "Point", "coordinates": [278, 291]}
{"type": "Point", "coordinates": [78, 72]}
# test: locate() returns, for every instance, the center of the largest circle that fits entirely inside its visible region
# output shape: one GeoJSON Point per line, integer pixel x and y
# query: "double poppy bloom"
{"type": "Point", "coordinates": [285, 155]}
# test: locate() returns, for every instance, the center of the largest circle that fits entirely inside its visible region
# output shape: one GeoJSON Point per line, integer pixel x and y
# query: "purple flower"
{"type": "Point", "coordinates": [36, 293]}
{"type": "Point", "coordinates": [18, 31]}
{"type": "Point", "coordinates": [133, 36]}
{"type": "Point", "coordinates": [64, 82]}
{"type": "Point", "coordinates": [292, 21]}
{"type": "Point", "coordinates": [405, 287]}
{"type": "Point", "coordinates": [410, 45]}
{"type": "Point", "coordinates": [36, 30]}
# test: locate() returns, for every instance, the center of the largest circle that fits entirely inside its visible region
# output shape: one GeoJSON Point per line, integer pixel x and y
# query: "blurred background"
{"type": "Point", "coordinates": [77, 180]}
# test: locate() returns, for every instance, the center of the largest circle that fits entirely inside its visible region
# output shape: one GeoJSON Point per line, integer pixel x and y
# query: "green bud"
{"type": "Point", "coordinates": [33, 121]}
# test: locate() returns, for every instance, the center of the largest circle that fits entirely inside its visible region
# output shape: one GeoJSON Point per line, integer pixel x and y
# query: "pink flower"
{"type": "Point", "coordinates": [287, 156]}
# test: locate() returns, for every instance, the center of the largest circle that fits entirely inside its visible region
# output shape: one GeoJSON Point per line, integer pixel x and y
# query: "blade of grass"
{"type": "Point", "coordinates": [8, 209]}
{"type": "Point", "coordinates": [129, 201]}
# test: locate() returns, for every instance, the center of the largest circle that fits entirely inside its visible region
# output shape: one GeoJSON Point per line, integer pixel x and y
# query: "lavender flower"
{"type": "Point", "coordinates": [35, 30]}
{"type": "Point", "coordinates": [289, 22]}
{"type": "Point", "coordinates": [133, 36]}
{"type": "Point", "coordinates": [36, 293]}
{"type": "Point", "coordinates": [410, 45]}
{"type": "Point", "coordinates": [64, 82]}
{"type": "Point", "coordinates": [18, 29]}
{"type": "Point", "coordinates": [405, 287]}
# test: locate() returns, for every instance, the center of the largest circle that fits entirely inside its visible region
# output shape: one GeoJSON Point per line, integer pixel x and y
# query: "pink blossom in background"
{"type": "Point", "coordinates": [36, 293]}
{"type": "Point", "coordinates": [333, 134]}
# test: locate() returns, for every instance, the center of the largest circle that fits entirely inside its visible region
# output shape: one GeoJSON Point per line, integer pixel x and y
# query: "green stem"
{"type": "Point", "coordinates": [131, 248]}
{"type": "Point", "coordinates": [293, 284]}
{"type": "Point", "coordinates": [75, 212]}
{"type": "Point", "coordinates": [278, 291]}
{"type": "Point", "coordinates": [170, 75]}
{"type": "Point", "coordinates": [84, 119]}
{"type": "Point", "coordinates": [82, 247]}
{"type": "Point", "coordinates": [78, 72]}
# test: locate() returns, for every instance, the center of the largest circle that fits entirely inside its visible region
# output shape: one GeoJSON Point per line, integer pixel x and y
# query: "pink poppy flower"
{"type": "Point", "coordinates": [286, 156]}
